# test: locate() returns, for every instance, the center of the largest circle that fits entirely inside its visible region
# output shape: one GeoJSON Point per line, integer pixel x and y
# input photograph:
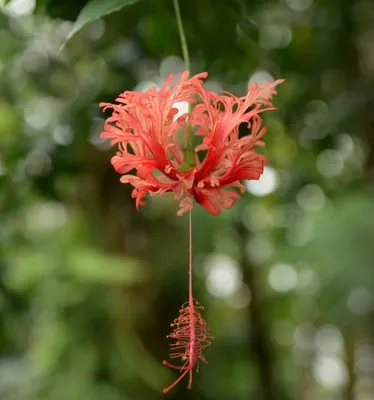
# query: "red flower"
{"type": "Point", "coordinates": [147, 133]}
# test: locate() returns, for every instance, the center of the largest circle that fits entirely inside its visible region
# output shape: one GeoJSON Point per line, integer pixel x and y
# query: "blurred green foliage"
{"type": "Point", "coordinates": [89, 285]}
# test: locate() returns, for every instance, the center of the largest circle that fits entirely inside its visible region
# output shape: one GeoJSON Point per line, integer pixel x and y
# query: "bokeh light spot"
{"type": "Point", "coordinates": [260, 76]}
{"type": "Point", "coordinates": [311, 198]}
{"type": "Point", "coordinates": [329, 340]}
{"type": "Point", "coordinates": [223, 276]}
{"type": "Point", "coordinates": [268, 183]}
{"type": "Point", "coordinates": [360, 301]}
{"type": "Point", "coordinates": [330, 163]}
{"type": "Point", "coordinates": [18, 8]}
{"type": "Point", "coordinates": [329, 372]}
{"type": "Point", "coordinates": [282, 277]}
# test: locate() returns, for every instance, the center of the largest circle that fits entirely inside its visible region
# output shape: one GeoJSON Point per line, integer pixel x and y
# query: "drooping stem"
{"type": "Point", "coordinates": [189, 154]}
{"type": "Point", "coordinates": [191, 303]}
{"type": "Point", "coordinates": [190, 268]}
{"type": "Point", "coordinates": [190, 335]}
{"type": "Point", "coordinates": [189, 148]}
{"type": "Point", "coordinates": [182, 36]}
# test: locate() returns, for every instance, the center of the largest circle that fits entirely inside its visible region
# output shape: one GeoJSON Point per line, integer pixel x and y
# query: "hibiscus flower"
{"type": "Point", "coordinates": [156, 154]}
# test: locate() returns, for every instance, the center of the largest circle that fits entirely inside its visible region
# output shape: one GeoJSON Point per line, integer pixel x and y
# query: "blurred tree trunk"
{"type": "Point", "coordinates": [260, 344]}
{"type": "Point", "coordinates": [349, 344]}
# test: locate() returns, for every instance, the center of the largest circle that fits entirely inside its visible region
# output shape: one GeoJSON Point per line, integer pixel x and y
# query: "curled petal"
{"type": "Point", "coordinates": [215, 198]}
{"type": "Point", "coordinates": [185, 205]}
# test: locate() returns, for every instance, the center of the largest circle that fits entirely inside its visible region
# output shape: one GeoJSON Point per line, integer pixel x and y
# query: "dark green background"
{"type": "Point", "coordinates": [88, 285]}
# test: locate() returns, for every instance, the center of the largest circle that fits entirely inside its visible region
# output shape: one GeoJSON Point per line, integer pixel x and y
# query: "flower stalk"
{"type": "Point", "coordinates": [189, 160]}
{"type": "Point", "coordinates": [182, 35]}
{"type": "Point", "coordinates": [191, 335]}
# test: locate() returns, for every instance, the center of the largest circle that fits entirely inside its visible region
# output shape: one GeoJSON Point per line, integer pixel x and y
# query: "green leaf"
{"type": "Point", "coordinates": [94, 10]}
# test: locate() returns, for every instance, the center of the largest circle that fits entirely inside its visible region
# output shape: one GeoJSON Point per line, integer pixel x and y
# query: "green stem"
{"type": "Point", "coordinates": [189, 153]}
{"type": "Point", "coordinates": [182, 36]}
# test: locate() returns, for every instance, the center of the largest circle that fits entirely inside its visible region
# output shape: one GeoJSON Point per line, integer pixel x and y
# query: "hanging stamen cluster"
{"type": "Point", "coordinates": [190, 337]}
